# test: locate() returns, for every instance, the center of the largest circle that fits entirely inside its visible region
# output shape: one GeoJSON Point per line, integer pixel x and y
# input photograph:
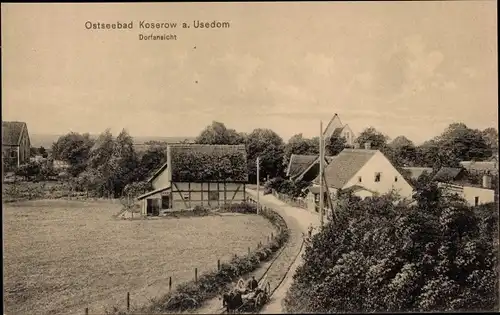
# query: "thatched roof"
{"type": "Point", "coordinates": [208, 163]}
{"type": "Point", "coordinates": [446, 174]}
{"type": "Point", "coordinates": [299, 163]}
{"type": "Point", "coordinates": [12, 131]}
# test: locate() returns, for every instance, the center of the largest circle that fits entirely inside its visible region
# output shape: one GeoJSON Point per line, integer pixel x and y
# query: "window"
{"type": "Point", "coordinates": [185, 196]}
{"type": "Point", "coordinates": [395, 178]}
{"type": "Point", "coordinates": [13, 154]}
{"type": "Point", "coordinates": [165, 202]}
{"type": "Point", "coordinates": [476, 200]}
{"type": "Point", "coordinates": [377, 177]}
{"type": "Point", "coordinates": [360, 179]}
{"type": "Point", "coordinates": [213, 195]}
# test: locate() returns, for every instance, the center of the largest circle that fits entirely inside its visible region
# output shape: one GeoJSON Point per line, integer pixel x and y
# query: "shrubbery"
{"type": "Point", "coordinates": [191, 295]}
{"type": "Point", "coordinates": [382, 256]}
{"type": "Point", "coordinates": [285, 186]}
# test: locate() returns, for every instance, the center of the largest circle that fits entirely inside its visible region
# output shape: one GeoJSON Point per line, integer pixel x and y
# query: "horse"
{"type": "Point", "coordinates": [232, 301]}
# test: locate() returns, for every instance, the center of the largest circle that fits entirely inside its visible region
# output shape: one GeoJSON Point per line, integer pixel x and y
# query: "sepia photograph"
{"type": "Point", "coordinates": [250, 157]}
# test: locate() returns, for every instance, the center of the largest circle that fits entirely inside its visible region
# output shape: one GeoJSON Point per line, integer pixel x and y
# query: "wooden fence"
{"type": "Point", "coordinates": [295, 202]}
{"type": "Point", "coordinates": [270, 238]}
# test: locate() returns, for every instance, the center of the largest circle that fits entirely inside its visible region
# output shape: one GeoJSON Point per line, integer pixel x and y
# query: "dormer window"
{"type": "Point", "coordinates": [395, 178]}
{"type": "Point", "coordinates": [377, 177]}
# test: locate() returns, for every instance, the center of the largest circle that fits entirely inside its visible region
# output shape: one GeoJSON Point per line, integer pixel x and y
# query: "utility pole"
{"type": "Point", "coordinates": [321, 160]}
{"type": "Point", "coordinates": [257, 164]}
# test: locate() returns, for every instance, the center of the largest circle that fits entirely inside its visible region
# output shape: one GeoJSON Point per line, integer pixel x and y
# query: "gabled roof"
{"type": "Point", "coordinates": [12, 131]}
{"type": "Point", "coordinates": [491, 166]}
{"type": "Point", "coordinates": [331, 122]}
{"type": "Point", "coordinates": [345, 165]}
{"type": "Point", "coordinates": [150, 193]}
{"type": "Point", "coordinates": [337, 132]}
{"type": "Point", "coordinates": [328, 160]}
{"type": "Point", "coordinates": [208, 163]}
{"type": "Point", "coordinates": [299, 163]}
{"type": "Point", "coordinates": [158, 172]}
{"type": "Point", "coordinates": [448, 174]}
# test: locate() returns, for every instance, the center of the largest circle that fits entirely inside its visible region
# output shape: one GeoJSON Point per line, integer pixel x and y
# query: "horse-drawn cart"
{"type": "Point", "coordinates": [242, 299]}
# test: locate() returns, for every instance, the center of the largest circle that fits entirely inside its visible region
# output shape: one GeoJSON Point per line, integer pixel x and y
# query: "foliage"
{"type": "Point", "coordinates": [150, 161]}
{"type": "Point", "coordinates": [190, 295]}
{"type": "Point", "coordinates": [123, 162]}
{"type": "Point", "coordinates": [217, 133]}
{"type": "Point", "coordinates": [135, 189]}
{"type": "Point", "coordinates": [205, 166]}
{"type": "Point", "coordinates": [288, 187]}
{"type": "Point", "coordinates": [269, 147]}
{"type": "Point", "coordinates": [384, 256]}
{"type": "Point", "coordinates": [335, 145]}
{"type": "Point", "coordinates": [73, 148]}
{"type": "Point", "coordinates": [300, 145]}
{"type": "Point", "coordinates": [371, 135]}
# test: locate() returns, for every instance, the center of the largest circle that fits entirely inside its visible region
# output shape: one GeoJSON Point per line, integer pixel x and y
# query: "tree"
{"type": "Point", "coordinates": [43, 152]}
{"type": "Point", "coordinates": [217, 133]}
{"type": "Point", "coordinates": [269, 146]}
{"type": "Point", "coordinates": [123, 162]}
{"type": "Point", "coordinates": [460, 143]}
{"type": "Point", "coordinates": [150, 161]}
{"type": "Point", "coordinates": [401, 151]}
{"type": "Point", "coordinates": [381, 255]}
{"type": "Point", "coordinates": [371, 135]}
{"type": "Point", "coordinates": [300, 145]}
{"type": "Point", "coordinates": [29, 170]}
{"type": "Point", "coordinates": [490, 135]}
{"type": "Point", "coordinates": [99, 161]}
{"type": "Point", "coordinates": [73, 148]}
{"type": "Point", "coordinates": [335, 145]}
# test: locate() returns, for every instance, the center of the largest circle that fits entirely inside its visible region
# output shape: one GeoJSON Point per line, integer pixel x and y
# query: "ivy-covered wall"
{"type": "Point", "coordinates": [209, 163]}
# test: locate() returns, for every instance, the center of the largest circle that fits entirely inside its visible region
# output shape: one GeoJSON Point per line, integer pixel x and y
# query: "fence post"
{"type": "Point", "coordinates": [128, 301]}
{"type": "Point", "coordinates": [248, 250]}
{"type": "Point", "coordinates": [195, 274]}
{"type": "Point", "coordinates": [170, 284]}
{"type": "Point", "coordinates": [272, 235]}
{"type": "Point", "coordinates": [218, 264]}
{"type": "Point", "coordinates": [86, 311]}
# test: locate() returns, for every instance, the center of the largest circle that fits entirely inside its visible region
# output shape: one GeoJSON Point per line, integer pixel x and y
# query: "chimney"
{"type": "Point", "coordinates": [486, 181]}
{"type": "Point", "coordinates": [367, 146]}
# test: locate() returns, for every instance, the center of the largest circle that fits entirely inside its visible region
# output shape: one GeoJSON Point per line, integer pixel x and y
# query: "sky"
{"type": "Point", "coordinates": [405, 68]}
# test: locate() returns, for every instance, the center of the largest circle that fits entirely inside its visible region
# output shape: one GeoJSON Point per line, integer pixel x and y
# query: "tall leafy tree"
{"type": "Point", "coordinates": [217, 133]}
{"type": "Point", "coordinates": [269, 146]}
{"type": "Point", "coordinates": [376, 139]}
{"type": "Point", "coordinates": [73, 148]}
{"type": "Point", "coordinates": [297, 144]}
{"type": "Point", "coordinates": [335, 145]}
{"type": "Point", "coordinates": [123, 162]}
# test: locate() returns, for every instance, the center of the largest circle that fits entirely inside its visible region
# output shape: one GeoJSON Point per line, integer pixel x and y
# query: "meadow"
{"type": "Point", "coordinates": [62, 256]}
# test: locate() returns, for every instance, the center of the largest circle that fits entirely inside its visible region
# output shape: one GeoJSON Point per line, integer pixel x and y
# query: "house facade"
{"type": "Point", "coordinates": [364, 172]}
{"type": "Point", "coordinates": [197, 175]}
{"type": "Point", "coordinates": [455, 181]}
{"type": "Point", "coordinates": [335, 128]}
{"type": "Point", "coordinates": [15, 144]}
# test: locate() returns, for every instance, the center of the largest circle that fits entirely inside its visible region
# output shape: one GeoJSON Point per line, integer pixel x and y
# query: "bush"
{"type": "Point", "coordinates": [383, 256]}
{"type": "Point", "coordinates": [191, 295]}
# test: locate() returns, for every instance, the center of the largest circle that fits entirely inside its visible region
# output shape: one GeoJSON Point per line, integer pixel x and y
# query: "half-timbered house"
{"type": "Point", "coordinates": [197, 175]}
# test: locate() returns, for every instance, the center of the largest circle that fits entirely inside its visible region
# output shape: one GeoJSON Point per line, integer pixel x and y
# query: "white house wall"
{"type": "Point", "coordinates": [379, 163]}
{"type": "Point", "coordinates": [189, 195]}
{"type": "Point", "coordinates": [485, 195]}
{"type": "Point", "coordinates": [162, 180]}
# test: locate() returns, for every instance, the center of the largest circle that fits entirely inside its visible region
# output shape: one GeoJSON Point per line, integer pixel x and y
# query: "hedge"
{"type": "Point", "coordinates": [191, 295]}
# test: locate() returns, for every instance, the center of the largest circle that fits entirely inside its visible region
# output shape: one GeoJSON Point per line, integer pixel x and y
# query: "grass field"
{"type": "Point", "coordinates": [63, 256]}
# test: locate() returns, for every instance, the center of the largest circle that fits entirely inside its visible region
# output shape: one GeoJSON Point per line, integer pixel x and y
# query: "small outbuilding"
{"type": "Point", "coordinates": [197, 175]}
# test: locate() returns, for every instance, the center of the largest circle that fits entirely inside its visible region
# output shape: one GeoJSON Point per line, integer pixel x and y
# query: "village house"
{"type": "Point", "coordinates": [304, 167]}
{"type": "Point", "coordinates": [197, 175]}
{"type": "Point", "coordinates": [335, 128]}
{"type": "Point", "coordinates": [364, 172]}
{"type": "Point", "coordinates": [456, 181]}
{"type": "Point", "coordinates": [15, 144]}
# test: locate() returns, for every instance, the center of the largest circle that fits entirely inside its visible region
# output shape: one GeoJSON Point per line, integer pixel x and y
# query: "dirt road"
{"type": "Point", "coordinates": [298, 220]}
